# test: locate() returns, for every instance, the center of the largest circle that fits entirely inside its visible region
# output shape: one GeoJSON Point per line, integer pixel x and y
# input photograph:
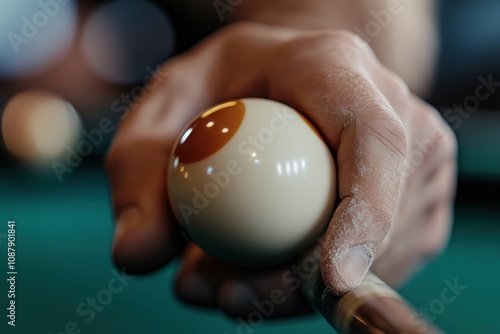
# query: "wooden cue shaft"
{"type": "Point", "coordinates": [372, 307]}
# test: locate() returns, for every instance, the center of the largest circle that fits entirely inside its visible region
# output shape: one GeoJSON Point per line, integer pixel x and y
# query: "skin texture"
{"type": "Point", "coordinates": [395, 158]}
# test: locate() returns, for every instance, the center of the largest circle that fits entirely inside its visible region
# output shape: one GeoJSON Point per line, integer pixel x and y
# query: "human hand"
{"type": "Point", "coordinates": [395, 158]}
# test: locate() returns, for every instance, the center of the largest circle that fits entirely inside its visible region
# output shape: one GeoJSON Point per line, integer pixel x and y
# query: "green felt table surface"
{"type": "Point", "coordinates": [64, 235]}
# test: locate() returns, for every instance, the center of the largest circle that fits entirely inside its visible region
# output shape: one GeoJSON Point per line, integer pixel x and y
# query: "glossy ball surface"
{"type": "Point", "coordinates": [252, 182]}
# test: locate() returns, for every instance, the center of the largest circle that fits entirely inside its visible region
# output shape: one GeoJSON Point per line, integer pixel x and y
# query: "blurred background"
{"type": "Point", "coordinates": [68, 72]}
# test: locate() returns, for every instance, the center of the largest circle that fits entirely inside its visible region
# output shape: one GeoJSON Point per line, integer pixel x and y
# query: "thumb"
{"type": "Point", "coordinates": [370, 158]}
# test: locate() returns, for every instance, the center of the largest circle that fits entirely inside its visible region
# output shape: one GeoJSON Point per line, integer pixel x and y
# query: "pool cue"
{"type": "Point", "coordinates": [371, 307]}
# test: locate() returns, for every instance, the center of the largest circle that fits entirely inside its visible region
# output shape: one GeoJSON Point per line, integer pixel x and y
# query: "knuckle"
{"type": "Point", "coordinates": [398, 87]}
{"type": "Point", "coordinates": [440, 144]}
{"type": "Point", "coordinates": [328, 36]}
{"type": "Point", "coordinates": [348, 43]}
{"type": "Point", "coordinates": [179, 74]}
{"type": "Point", "coordinates": [235, 35]}
{"type": "Point", "coordinates": [321, 65]}
{"type": "Point", "coordinates": [342, 46]}
{"type": "Point", "coordinates": [388, 129]}
{"type": "Point", "coordinates": [447, 143]}
{"type": "Point", "coordinates": [341, 36]}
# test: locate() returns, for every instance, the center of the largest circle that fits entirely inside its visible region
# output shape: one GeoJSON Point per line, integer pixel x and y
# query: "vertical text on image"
{"type": "Point", "coordinates": [11, 273]}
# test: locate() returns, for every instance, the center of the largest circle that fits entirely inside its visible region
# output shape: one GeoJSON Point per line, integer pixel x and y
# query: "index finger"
{"type": "Point", "coordinates": [145, 235]}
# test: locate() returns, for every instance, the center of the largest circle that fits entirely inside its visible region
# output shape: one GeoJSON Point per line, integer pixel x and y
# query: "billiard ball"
{"type": "Point", "coordinates": [251, 182]}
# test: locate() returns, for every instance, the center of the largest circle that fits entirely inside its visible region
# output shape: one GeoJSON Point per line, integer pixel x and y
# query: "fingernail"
{"type": "Point", "coordinates": [127, 219]}
{"type": "Point", "coordinates": [238, 298]}
{"type": "Point", "coordinates": [353, 265]}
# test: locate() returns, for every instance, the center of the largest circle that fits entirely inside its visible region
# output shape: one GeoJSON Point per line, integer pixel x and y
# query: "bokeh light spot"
{"type": "Point", "coordinates": [38, 126]}
{"type": "Point", "coordinates": [122, 40]}
{"type": "Point", "coordinates": [35, 35]}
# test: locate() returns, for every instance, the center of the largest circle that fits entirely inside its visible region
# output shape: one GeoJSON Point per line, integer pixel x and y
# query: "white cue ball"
{"type": "Point", "coordinates": [252, 182]}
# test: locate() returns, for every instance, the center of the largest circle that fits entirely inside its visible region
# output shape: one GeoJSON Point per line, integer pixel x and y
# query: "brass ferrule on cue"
{"type": "Point", "coordinates": [371, 307]}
